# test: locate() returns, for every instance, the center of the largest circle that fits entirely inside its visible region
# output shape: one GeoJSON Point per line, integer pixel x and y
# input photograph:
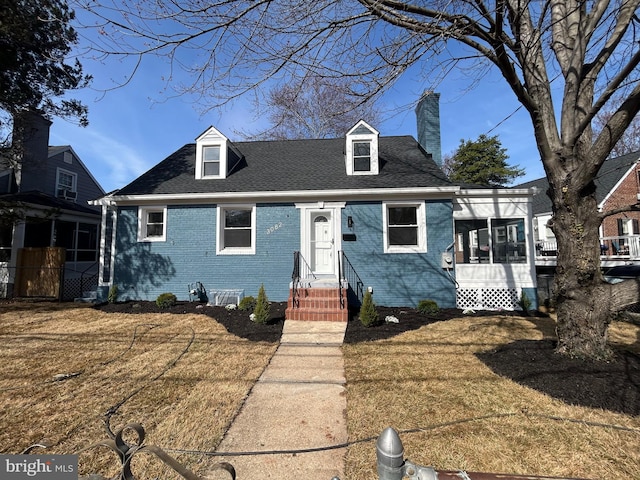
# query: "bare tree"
{"type": "Point", "coordinates": [630, 140]}
{"type": "Point", "coordinates": [315, 107]}
{"type": "Point", "coordinates": [563, 60]}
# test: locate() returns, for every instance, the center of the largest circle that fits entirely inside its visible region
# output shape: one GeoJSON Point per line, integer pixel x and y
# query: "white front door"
{"type": "Point", "coordinates": [322, 243]}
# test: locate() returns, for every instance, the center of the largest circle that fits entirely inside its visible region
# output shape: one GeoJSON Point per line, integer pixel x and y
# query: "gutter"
{"type": "Point", "coordinates": [307, 195]}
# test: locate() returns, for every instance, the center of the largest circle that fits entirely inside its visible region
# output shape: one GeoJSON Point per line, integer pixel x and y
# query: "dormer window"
{"type": "Point", "coordinates": [362, 156]}
{"type": "Point", "coordinates": [211, 155]}
{"type": "Point", "coordinates": [211, 160]}
{"type": "Point", "coordinates": [362, 150]}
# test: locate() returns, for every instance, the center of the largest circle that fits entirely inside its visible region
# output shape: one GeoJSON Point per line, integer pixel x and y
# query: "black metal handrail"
{"type": "Point", "coordinates": [349, 273]}
{"type": "Point", "coordinates": [301, 269]}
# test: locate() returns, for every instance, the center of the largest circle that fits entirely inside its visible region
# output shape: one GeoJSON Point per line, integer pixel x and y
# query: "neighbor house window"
{"type": "Point", "coordinates": [211, 161]}
{"type": "Point", "coordinates": [362, 156]}
{"type": "Point", "coordinates": [236, 229]}
{"type": "Point", "coordinates": [66, 184]}
{"type": "Point", "coordinates": [152, 224]}
{"type": "Point", "coordinates": [404, 227]}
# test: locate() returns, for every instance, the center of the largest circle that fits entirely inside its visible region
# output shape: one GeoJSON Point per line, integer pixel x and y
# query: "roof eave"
{"type": "Point", "coordinates": [368, 194]}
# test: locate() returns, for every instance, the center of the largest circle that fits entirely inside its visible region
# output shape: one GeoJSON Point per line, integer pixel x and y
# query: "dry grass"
{"type": "Point", "coordinates": [189, 378]}
{"type": "Point", "coordinates": [473, 419]}
{"type": "Point", "coordinates": [183, 377]}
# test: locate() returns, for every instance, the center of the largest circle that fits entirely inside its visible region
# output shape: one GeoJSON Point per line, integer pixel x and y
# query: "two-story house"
{"type": "Point", "coordinates": [318, 222]}
{"type": "Point", "coordinates": [44, 192]}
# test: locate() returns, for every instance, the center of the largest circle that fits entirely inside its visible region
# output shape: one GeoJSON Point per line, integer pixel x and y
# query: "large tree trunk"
{"type": "Point", "coordinates": [585, 302]}
{"type": "Point", "coordinates": [583, 299]}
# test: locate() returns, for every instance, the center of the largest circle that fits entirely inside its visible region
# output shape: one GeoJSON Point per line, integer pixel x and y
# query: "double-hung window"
{"type": "Point", "coordinates": [211, 160]}
{"type": "Point", "coordinates": [236, 230]}
{"type": "Point", "coordinates": [362, 156]}
{"type": "Point", "coordinates": [66, 184]}
{"type": "Point", "coordinates": [152, 224]}
{"type": "Point", "coordinates": [404, 227]}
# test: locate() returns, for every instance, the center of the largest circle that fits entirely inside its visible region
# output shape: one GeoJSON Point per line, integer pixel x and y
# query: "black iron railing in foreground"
{"type": "Point", "coordinates": [391, 464]}
{"type": "Point", "coordinates": [126, 452]}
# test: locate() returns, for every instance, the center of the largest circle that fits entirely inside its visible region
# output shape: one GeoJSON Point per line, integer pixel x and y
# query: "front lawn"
{"type": "Point", "coordinates": [476, 393]}
{"type": "Point", "coordinates": [488, 394]}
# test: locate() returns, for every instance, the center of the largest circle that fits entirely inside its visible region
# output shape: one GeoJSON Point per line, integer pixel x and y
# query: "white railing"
{"type": "Point", "coordinates": [623, 246]}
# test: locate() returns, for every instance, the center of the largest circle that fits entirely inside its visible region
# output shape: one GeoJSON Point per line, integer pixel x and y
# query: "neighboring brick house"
{"type": "Point", "coordinates": [617, 185]}
{"type": "Point", "coordinates": [624, 192]}
{"type": "Point", "coordinates": [318, 222]}
{"type": "Point", "coordinates": [48, 187]}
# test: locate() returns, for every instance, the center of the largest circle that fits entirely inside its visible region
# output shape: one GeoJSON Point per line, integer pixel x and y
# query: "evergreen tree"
{"type": "Point", "coordinates": [483, 161]}
{"type": "Point", "coordinates": [35, 39]}
{"type": "Point", "coordinates": [368, 313]}
{"type": "Point", "coordinates": [262, 310]}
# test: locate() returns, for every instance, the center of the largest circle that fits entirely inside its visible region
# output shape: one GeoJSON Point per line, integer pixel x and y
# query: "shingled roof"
{"type": "Point", "coordinates": [293, 165]}
{"type": "Point", "coordinates": [611, 172]}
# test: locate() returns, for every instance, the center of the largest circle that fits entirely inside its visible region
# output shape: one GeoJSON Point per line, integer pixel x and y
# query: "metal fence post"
{"type": "Point", "coordinates": [390, 455]}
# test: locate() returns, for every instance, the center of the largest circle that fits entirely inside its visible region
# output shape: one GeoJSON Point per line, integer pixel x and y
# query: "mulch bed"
{"type": "Point", "coordinates": [613, 385]}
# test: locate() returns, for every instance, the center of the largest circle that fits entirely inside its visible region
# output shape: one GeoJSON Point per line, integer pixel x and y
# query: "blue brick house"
{"type": "Point", "coordinates": [317, 222]}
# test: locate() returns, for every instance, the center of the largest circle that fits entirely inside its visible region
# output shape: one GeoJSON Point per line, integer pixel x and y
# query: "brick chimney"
{"type": "Point", "coordinates": [30, 148]}
{"type": "Point", "coordinates": [428, 117]}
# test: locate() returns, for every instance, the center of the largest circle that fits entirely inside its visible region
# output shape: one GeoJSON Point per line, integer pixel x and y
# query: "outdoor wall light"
{"type": "Point", "coordinates": [350, 221]}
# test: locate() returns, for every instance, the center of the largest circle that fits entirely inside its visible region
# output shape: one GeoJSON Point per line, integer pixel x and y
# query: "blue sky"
{"type": "Point", "coordinates": [133, 127]}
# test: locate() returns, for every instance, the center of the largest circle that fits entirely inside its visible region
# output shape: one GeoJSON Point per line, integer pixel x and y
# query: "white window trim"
{"type": "Point", "coordinates": [211, 138]}
{"type": "Point", "coordinates": [200, 161]}
{"type": "Point", "coordinates": [372, 138]}
{"type": "Point", "coordinates": [74, 182]}
{"type": "Point", "coordinates": [142, 224]}
{"type": "Point", "coordinates": [421, 218]}
{"type": "Point", "coordinates": [220, 248]}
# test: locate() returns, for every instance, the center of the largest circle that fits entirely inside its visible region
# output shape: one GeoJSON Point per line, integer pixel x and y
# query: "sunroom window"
{"type": "Point", "coordinates": [236, 230]}
{"type": "Point", "coordinates": [490, 241]}
{"type": "Point", "coordinates": [404, 227]}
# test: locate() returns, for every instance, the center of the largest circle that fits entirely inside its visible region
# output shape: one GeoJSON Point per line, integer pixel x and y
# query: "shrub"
{"type": "Point", "coordinates": [112, 297]}
{"type": "Point", "coordinates": [166, 300]}
{"type": "Point", "coordinates": [247, 303]}
{"type": "Point", "coordinates": [368, 313]}
{"type": "Point", "coordinates": [524, 302]}
{"type": "Point", "coordinates": [428, 307]}
{"type": "Point", "coordinates": [262, 309]}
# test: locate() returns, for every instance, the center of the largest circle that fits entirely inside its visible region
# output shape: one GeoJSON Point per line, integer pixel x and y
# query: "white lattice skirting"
{"type": "Point", "coordinates": [488, 298]}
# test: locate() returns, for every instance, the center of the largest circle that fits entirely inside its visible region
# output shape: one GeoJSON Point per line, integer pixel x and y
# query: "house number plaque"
{"type": "Point", "coordinates": [273, 228]}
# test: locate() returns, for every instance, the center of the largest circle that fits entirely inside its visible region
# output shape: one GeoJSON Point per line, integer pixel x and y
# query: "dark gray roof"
{"type": "Point", "coordinates": [610, 174]}
{"type": "Point", "coordinates": [293, 165]}
{"type": "Point", "coordinates": [47, 201]}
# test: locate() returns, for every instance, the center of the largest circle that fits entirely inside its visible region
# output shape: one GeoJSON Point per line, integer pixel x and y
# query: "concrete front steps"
{"type": "Point", "coordinates": [318, 304]}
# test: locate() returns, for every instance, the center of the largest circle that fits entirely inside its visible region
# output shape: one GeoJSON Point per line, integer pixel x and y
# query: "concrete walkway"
{"type": "Point", "coordinates": [298, 403]}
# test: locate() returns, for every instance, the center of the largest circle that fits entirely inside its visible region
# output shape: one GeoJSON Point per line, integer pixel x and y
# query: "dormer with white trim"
{"type": "Point", "coordinates": [362, 150]}
{"type": "Point", "coordinates": [212, 155]}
